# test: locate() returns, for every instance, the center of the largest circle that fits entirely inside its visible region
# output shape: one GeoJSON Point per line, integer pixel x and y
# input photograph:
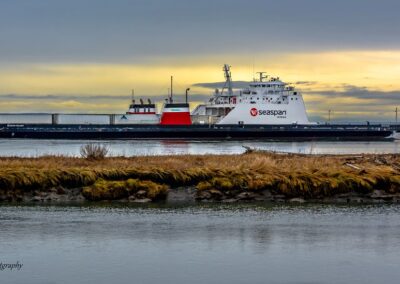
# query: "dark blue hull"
{"type": "Point", "coordinates": [270, 132]}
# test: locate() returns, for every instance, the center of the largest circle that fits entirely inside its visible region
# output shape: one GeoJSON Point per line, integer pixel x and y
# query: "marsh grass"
{"type": "Point", "coordinates": [292, 175]}
{"type": "Point", "coordinates": [114, 190]}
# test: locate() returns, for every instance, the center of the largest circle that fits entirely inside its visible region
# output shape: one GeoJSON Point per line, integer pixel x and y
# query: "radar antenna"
{"type": "Point", "coordinates": [262, 76]}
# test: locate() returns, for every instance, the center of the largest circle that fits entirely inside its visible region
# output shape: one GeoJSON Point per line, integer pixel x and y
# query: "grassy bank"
{"type": "Point", "coordinates": [213, 177]}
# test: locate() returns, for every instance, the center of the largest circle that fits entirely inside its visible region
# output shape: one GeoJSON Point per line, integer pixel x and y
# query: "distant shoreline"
{"type": "Point", "coordinates": [251, 177]}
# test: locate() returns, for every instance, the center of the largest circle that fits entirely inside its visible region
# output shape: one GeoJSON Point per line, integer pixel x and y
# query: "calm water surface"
{"type": "Point", "coordinates": [34, 148]}
{"type": "Point", "coordinates": [201, 244]}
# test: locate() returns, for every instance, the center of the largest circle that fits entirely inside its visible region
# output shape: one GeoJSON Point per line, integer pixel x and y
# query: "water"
{"type": "Point", "coordinates": [34, 148]}
{"type": "Point", "coordinates": [201, 244]}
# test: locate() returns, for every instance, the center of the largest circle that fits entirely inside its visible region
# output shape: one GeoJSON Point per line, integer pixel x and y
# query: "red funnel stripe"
{"type": "Point", "coordinates": [176, 118]}
{"type": "Point", "coordinates": [176, 114]}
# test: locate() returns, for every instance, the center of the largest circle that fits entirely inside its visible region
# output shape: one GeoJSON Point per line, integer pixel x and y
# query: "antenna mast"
{"type": "Point", "coordinates": [172, 92]}
{"type": "Point", "coordinates": [228, 79]}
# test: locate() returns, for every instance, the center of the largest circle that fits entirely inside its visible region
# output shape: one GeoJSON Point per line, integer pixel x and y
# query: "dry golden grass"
{"type": "Point", "coordinates": [114, 190]}
{"type": "Point", "coordinates": [291, 174]}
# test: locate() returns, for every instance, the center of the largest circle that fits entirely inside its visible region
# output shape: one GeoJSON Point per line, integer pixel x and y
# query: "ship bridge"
{"type": "Point", "coordinates": [271, 88]}
{"type": "Point", "coordinates": [265, 101]}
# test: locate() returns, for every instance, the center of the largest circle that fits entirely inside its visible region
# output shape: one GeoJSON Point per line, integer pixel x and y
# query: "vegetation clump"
{"type": "Point", "coordinates": [115, 190]}
{"type": "Point", "coordinates": [94, 151]}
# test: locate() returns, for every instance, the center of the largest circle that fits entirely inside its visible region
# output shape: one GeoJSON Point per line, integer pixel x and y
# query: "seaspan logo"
{"type": "Point", "coordinates": [255, 112]}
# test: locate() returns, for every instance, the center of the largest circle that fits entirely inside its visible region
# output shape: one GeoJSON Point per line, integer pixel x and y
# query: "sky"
{"type": "Point", "coordinates": [86, 55]}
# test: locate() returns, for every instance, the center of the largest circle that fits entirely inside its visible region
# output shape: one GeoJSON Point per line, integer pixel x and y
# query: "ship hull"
{"type": "Point", "coordinates": [271, 132]}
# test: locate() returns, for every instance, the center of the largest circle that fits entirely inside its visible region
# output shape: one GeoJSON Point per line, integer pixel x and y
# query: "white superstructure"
{"type": "Point", "coordinates": [139, 113]}
{"type": "Point", "coordinates": [266, 101]}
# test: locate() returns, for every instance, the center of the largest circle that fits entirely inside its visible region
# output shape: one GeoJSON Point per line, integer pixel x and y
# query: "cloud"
{"type": "Point", "coordinates": [245, 84]}
{"type": "Point", "coordinates": [360, 92]}
{"type": "Point", "coordinates": [306, 83]}
{"type": "Point", "coordinates": [62, 97]}
{"type": "Point", "coordinates": [219, 85]}
{"type": "Point", "coordinates": [353, 103]}
{"type": "Point", "coordinates": [95, 98]}
{"type": "Point", "coordinates": [130, 30]}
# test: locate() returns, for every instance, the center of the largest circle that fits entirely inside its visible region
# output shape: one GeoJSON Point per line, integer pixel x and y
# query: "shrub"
{"type": "Point", "coordinates": [94, 151]}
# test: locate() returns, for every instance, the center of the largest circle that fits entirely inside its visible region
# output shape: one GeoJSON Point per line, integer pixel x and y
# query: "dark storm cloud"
{"type": "Point", "coordinates": [130, 30]}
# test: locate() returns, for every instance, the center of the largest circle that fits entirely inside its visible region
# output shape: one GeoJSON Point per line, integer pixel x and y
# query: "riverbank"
{"type": "Point", "coordinates": [253, 176]}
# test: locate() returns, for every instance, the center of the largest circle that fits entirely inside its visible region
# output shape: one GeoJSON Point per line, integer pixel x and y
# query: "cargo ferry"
{"type": "Point", "coordinates": [268, 109]}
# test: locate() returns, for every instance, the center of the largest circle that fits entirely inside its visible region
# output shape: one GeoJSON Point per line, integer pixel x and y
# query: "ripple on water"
{"type": "Point", "coordinates": [206, 243]}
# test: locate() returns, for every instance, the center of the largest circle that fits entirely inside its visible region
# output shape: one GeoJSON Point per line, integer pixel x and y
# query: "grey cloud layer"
{"type": "Point", "coordinates": [379, 97]}
{"type": "Point", "coordinates": [129, 30]}
{"type": "Point", "coordinates": [219, 85]}
{"type": "Point", "coordinates": [95, 98]}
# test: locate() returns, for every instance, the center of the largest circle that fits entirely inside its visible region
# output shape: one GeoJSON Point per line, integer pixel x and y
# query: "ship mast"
{"type": "Point", "coordinates": [228, 79]}
{"type": "Point", "coordinates": [172, 91]}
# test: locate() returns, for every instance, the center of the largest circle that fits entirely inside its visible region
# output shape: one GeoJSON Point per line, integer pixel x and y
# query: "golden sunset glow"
{"type": "Point", "coordinates": [314, 72]}
{"type": "Point", "coordinates": [377, 70]}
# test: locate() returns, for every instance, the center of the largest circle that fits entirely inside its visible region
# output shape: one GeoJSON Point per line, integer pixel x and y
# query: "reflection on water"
{"type": "Point", "coordinates": [22, 147]}
{"type": "Point", "coordinates": [201, 244]}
